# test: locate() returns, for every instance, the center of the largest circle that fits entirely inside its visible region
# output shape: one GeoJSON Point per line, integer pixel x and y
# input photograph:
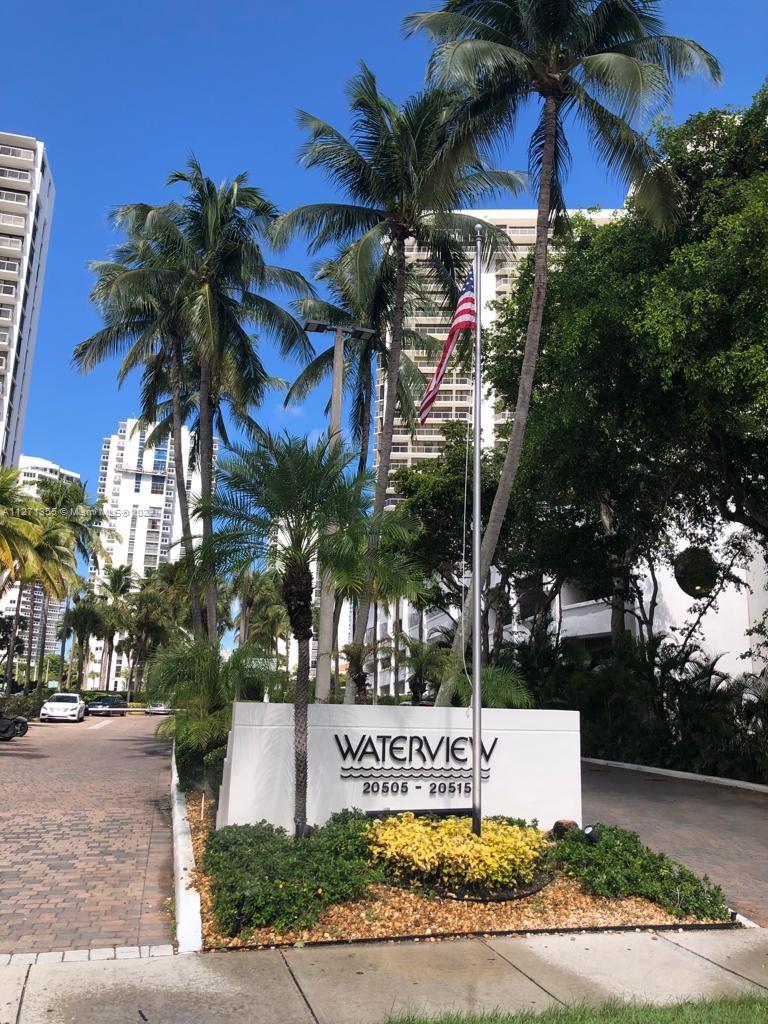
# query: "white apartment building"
{"type": "Point", "coordinates": [26, 209]}
{"type": "Point", "coordinates": [724, 629]}
{"type": "Point", "coordinates": [34, 471]}
{"type": "Point", "coordinates": [139, 487]}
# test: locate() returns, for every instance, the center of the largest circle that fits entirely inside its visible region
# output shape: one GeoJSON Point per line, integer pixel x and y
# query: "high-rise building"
{"type": "Point", "coordinates": [26, 208]}
{"type": "Point", "coordinates": [138, 485]}
{"type": "Point", "coordinates": [33, 607]}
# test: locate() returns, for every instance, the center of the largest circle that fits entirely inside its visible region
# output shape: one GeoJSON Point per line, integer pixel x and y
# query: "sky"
{"type": "Point", "coordinates": [121, 94]}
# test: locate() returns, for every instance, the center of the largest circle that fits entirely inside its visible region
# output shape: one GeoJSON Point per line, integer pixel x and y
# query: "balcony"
{"type": "Point", "coordinates": [9, 267]}
{"type": "Point", "coordinates": [13, 176]}
{"type": "Point", "coordinates": [17, 156]}
{"type": "Point", "coordinates": [10, 243]}
{"type": "Point", "coordinates": [6, 314]}
{"type": "Point", "coordinates": [13, 200]}
{"type": "Point", "coordinates": [12, 220]}
{"type": "Point", "coordinates": [5, 339]}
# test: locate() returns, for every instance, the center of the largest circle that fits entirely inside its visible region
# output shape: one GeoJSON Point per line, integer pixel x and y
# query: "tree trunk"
{"type": "Point", "coordinates": [421, 625]}
{"type": "Point", "coordinates": [71, 662]}
{"type": "Point", "coordinates": [527, 374]}
{"type": "Point", "coordinates": [618, 609]}
{"type": "Point", "coordinates": [297, 594]}
{"type": "Point", "coordinates": [106, 663]}
{"type": "Point", "coordinates": [30, 624]}
{"type": "Point", "coordinates": [385, 440]}
{"type": "Point", "coordinates": [181, 484]}
{"type": "Point", "coordinates": [82, 647]}
{"type": "Point", "coordinates": [9, 668]}
{"type": "Point", "coordinates": [206, 479]}
{"type": "Point", "coordinates": [63, 648]}
{"type": "Point", "coordinates": [365, 439]}
{"type": "Point", "coordinates": [244, 611]}
{"type": "Point", "coordinates": [41, 646]}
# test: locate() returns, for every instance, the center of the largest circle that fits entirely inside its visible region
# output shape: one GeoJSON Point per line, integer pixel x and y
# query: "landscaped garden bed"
{"type": "Point", "coordinates": [357, 879]}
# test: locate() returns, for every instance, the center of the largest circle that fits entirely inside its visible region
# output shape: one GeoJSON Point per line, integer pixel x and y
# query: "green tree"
{"type": "Point", "coordinates": [404, 174]}
{"type": "Point", "coordinates": [84, 619]}
{"type": "Point", "coordinates": [601, 65]}
{"type": "Point", "coordinates": [278, 499]}
{"type": "Point", "coordinates": [425, 663]}
{"type": "Point", "coordinates": [208, 252]}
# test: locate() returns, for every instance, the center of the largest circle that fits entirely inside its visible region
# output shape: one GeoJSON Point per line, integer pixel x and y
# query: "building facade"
{"type": "Point", "coordinates": [725, 628]}
{"type": "Point", "coordinates": [33, 607]}
{"type": "Point", "coordinates": [26, 208]}
{"type": "Point", "coordinates": [138, 485]}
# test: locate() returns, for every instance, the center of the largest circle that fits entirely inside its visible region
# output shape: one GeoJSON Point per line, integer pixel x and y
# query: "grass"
{"type": "Point", "coordinates": [744, 1010]}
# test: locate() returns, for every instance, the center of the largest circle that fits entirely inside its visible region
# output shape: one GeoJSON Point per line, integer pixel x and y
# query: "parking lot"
{"type": "Point", "coordinates": [85, 855]}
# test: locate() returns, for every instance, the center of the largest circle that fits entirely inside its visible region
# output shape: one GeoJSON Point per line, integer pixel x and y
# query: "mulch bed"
{"type": "Point", "coordinates": [389, 912]}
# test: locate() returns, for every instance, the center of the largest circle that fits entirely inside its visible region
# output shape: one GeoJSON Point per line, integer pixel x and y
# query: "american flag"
{"type": "Point", "coordinates": [463, 320]}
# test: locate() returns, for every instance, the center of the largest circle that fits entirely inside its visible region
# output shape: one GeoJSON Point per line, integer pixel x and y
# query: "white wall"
{"type": "Point", "coordinates": [532, 771]}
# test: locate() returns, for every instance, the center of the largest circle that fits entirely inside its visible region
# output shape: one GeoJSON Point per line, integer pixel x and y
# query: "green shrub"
{"type": "Point", "coordinates": [261, 878]}
{"type": "Point", "coordinates": [619, 865]}
{"type": "Point", "coordinates": [190, 766]}
{"type": "Point", "coordinates": [214, 767]}
{"type": "Point", "coordinates": [28, 706]}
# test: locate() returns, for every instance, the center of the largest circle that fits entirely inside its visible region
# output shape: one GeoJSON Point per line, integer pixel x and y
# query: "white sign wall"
{"type": "Point", "coordinates": [400, 758]}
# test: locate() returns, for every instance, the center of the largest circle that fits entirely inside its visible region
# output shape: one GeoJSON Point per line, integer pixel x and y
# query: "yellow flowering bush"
{"type": "Point", "coordinates": [446, 853]}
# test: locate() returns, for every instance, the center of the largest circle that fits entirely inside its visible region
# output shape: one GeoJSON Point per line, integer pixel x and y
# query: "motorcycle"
{"type": "Point", "coordinates": [7, 728]}
{"type": "Point", "coordinates": [22, 725]}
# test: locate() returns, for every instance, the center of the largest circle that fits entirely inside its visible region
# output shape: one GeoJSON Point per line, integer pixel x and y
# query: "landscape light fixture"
{"type": "Point", "coordinates": [317, 326]}
{"type": "Point", "coordinates": [321, 326]}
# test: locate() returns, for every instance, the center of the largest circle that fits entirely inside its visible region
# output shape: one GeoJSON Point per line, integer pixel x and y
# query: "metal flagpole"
{"type": "Point", "coordinates": [477, 536]}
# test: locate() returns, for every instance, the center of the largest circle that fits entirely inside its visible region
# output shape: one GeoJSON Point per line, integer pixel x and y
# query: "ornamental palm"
{"type": "Point", "coordinates": [84, 619]}
{"type": "Point", "coordinates": [209, 255]}
{"type": "Point", "coordinates": [277, 500]}
{"type": "Point", "coordinates": [404, 174]}
{"type": "Point", "coordinates": [601, 64]}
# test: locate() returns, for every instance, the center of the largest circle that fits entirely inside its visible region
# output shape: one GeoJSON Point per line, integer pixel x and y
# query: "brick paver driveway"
{"type": "Point", "coordinates": [85, 841]}
{"type": "Point", "coordinates": [715, 830]}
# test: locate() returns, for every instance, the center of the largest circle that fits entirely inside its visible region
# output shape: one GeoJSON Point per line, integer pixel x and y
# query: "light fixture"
{"type": "Point", "coordinates": [316, 326]}
{"type": "Point", "coordinates": [362, 333]}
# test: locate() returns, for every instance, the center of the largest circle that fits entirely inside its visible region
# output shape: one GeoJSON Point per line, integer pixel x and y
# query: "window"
{"type": "Point", "coordinates": [158, 485]}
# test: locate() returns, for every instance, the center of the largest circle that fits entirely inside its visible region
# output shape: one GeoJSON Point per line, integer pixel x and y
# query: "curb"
{"type": "Point", "coordinates": [189, 924]}
{"type": "Point", "coordinates": [713, 780]}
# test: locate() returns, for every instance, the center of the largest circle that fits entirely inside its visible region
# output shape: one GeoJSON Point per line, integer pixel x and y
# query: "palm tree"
{"type": "Point", "coordinates": [279, 499]}
{"type": "Point", "coordinates": [425, 663]}
{"type": "Point", "coordinates": [116, 584]}
{"type": "Point", "coordinates": [404, 173]}
{"type": "Point", "coordinates": [84, 619]}
{"type": "Point", "coordinates": [209, 254]}
{"type": "Point", "coordinates": [144, 319]}
{"type": "Point", "coordinates": [600, 64]}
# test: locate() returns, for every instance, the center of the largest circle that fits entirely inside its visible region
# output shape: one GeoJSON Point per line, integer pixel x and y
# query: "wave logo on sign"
{"type": "Point", "coordinates": [385, 756]}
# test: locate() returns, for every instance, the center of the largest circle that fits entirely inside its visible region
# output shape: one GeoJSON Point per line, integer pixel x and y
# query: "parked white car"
{"type": "Point", "coordinates": [63, 707]}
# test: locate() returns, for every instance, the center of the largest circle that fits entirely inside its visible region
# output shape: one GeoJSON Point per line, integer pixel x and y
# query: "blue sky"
{"type": "Point", "coordinates": [122, 93]}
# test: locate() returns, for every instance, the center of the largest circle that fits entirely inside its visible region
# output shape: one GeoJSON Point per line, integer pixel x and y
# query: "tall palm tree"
{"type": "Point", "coordinates": [404, 174]}
{"type": "Point", "coordinates": [425, 663]}
{"type": "Point", "coordinates": [117, 583]}
{"type": "Point", "coordinates": [144, 321]}
{"type": "Point", "coordinates": [209, 248]}
{"type": "Point", "coordinates": [278, 499]}
{"type": "Point", "coordinates": [603, 65]}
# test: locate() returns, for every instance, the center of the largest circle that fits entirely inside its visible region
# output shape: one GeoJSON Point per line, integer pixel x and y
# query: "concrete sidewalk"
{"type": "Point", "coordinates": [366, 984]}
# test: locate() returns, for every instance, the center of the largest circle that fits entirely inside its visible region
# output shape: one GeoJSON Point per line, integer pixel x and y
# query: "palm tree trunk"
{"type": "Point", "coordinates": [41, 646]}
{"type": "Point", "coordinates": [63, 648]}
{"type": "Point", "coordinates": [206, 479]}
{"type": "Point", "coordinates": [12, 642]}
{"type": "Point", "coordinates": [298, 589]}
{"type": "Point", "coordinates": [106, 663]}
{"type": "Point", "coordinates": [527, 374]}
{"type": "Point", "coordinates": [82, 647]}
{"type": "Point", "coordinates": [181, 483]}
{"type": "Point", "coordinates": [244, 608]}
{"type": "Point", "coordinates": [385, 440]}
{"type": "Point", "coordinates": [71, 662]}
{"type": "Point", "coordinates": [618, 609]}
{"type": "Point", "coordinates": [30, 624]}
{"type": "Point", "coordinates": [365, 439]}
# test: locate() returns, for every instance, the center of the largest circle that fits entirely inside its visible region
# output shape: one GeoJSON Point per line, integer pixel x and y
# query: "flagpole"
{"type": "Point", "coordinates": [477, 535]}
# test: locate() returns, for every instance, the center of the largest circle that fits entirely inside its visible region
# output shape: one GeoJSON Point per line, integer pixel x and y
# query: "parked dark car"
{"type": "Point", "coordinates": [108, 706]}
